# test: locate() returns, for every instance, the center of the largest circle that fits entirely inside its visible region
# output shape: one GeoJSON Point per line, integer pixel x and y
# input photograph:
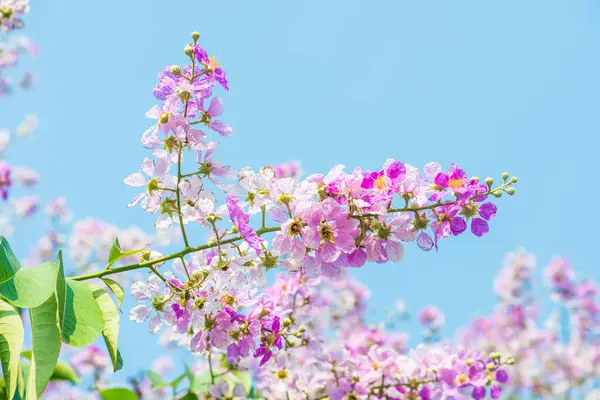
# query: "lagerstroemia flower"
{"type": "Point", "coordinates": [213, 298]}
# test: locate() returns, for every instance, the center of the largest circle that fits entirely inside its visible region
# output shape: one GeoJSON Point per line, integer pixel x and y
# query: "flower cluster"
{"type": "Point", "coordinates": [553, 359]}
{"type": "Point", "coordinates": [13, 48]}
{"type": "Point", "coordinates": [211, 300]}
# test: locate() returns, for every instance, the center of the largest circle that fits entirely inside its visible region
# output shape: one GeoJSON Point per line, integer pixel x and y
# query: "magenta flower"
{"type": "Point", "coordinates": [242, 221]}
{"type": "Point", "coordinates": [273, 339]}
{"type": "Point", "coordinates": [330, 232]}
{"type": "Point", "coordinates": [5, 181]}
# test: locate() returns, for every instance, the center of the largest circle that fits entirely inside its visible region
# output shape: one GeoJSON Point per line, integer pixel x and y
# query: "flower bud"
{"type": "Point", "coordinates": [510, 191]}
{"type": "Point", "coordinates": [505, 176]}
{"type": "Point", "coordinates": [292, 342]}
{"type": "Point", "coordinates": [509, 360]}
{"type": "Point", "coordinates": [195, 36]}
{"type": "Point", "coordinates": [188, 50]}
{"type": "Point", "coordinates": [286, 322]}
{"type": "Point", "coordinates": [490, 366]}
{"type": "Point", "coordinates": [495, 356]}
{"type": "Point", "coordinates": [514, 179]}
{"type": "Point", "coordinates": [302, 329]}
{"type": "Point", "coordinates": [489, 181]}
{"type": "Point", "coordinates": [176, 70]}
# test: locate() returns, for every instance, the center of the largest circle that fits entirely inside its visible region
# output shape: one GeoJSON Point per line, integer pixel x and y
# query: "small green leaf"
{"type": "Point", "coordinates": [117, 289]}
{"type": "Point", "coordinates": [118, 394]}
{"type": "Point", "coordinates": [61, 290]}
{"type": "Point", "coordinates": [83, 320]}
{"type": "Point", "coordinates": [23, 373]}
{"type": "Point", "coordinates": [178, 380]}
{"type": "Point", "coordinates": [45, 338]}
{"type": "Point", "coordinates": [30, 287]}
{"type": "Point", "coordinates": [64, 372]}
{"type": "Point", "coordinates": [190, 396]}
{"type": "Point", "coordinates": [9, 265]}
{"type": "Point", "coordinates": [110, 333]}
{"type": "Point", "coordinates": [243, 378]}
{"type": "Point", "coordinates": [201, 383]}
{"type": "Point", "coordinates": [116, 253]}
{"type": "Point", "coordinates": [157, 381]}
{"type": "Point", "coordinates": [115, 250]}
{"type": "Point", "coordinates": [11, 342]}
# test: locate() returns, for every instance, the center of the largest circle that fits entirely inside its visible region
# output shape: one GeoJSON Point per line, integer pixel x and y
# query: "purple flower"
{"type": "Point", "coordinates": [478, 392]}
{"type": "Point", "coordinates": [479, 227]}
{"type": "Point", "coordinates": [201, 54]}
{"type": "Point", "coordinates": [487, 211]}
{"type": "Point", "coordinates": [330, 232]}
{"type": "Point", "coordinates": [263, 352]}
{"type": "Point", "coordinates": [5, 181]}
{"type": "Point", "coordinates": [458, 226]}
{"type": "Point", "coordinates": [501, 376]}
{"type": "Point", "coordinates": [235, 316]}
{"type": "Point", "coordinates": [424, 241]}
{"type": "Point", "coordinates": [242, 221]}
{"type": "Point", "coordinates": [496, 391]}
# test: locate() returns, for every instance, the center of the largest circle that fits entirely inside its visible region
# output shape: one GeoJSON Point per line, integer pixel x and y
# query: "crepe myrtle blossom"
{"type": "Point", "coordinates": [25, 206]}
{"type": "Point", "coordinates": [340, 356]}
{"type": "Point", "coordinates": [556, 356]}
{"type": "Point", "coordinates": [90, 359]}
{"type": "Point", "coordinates": [148, 292]}
{"type": "Point", "coordinates": [242, 222]}
{"type": "Point", "coordinates": [211, 297]}
{"type": "Point", "coordinates": [25, 176]}
{"type": "Point", "coordinates": [291, 169]}
{"type": "Point", "coordinates": [57, 210]}
{"type": "Point", "coordinates": [5, 179]}
{"type": "Point", "coordinates": [11, 12]}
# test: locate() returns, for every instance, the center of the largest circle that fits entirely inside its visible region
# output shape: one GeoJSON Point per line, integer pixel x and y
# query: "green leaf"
{"type": "Point", "coordinates": [243, 378]}
{"type": "Point", "coordinates": [177, 380]}
{"type": "Point", "coordinates": [64, 372]}
{"type": "Point", "coordinates": [201, 383]}
{"type": "Point", "coordinates": [9, 265]}
{"type": "Point", "coordinates": [11, 342]}
{"type": "Point", "coordinates": [45, 338]}
{"type": "Point", "coordinates": [61, 289]}
{"type": "Point", "coordinates": [30, 287]}
{"type": "Point", "coordinates": [157, 381]}
{"type": "Point", "coordinates": [116, 288]}
{"type": "Point", "coordinates": [190, 396]}
{"type": "Point", "coordinates": [116, 253]}
{"type": "Point", "coordinates": [115, 250]}
{"type": "Point", "coordinates": [83, 320]}
{"type": "Point", "coordinates": [118, 394]}
{"type": "Point", "coordinates": [23, 373]}
{"type": "Point", "coordinates": [110, 316]}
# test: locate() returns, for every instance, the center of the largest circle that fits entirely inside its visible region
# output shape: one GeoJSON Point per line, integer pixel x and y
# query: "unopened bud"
{"type": "Point", "coordinates": [509, 360]}
{"type": "Point", "coordinates": [195, 36]}
{"type": "Point", "coordinates": [286, 322]}
{"type": "Point", "coordinates": [510, 191]}
{"type": "Point", "coordinates": [514, 179]}
{"type": "Point", "coordinates": [302, 329]}
{"type": "Point", "coordinates": [292, 342]}
{"type": "Point", "coordinates": [176, 70]}
{"type": "Point", "coordinates": [505, 176]}
{"type": "Point", "coordinates": [188, 50]}
{"type": "Point", "coordinates": [489, 181]}
{"type": "Point", "coordinates": [495, 356]}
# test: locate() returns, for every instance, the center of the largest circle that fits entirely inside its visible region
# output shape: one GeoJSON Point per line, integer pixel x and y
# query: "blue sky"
{"type": "Point", "coordinates": [493, 86]}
